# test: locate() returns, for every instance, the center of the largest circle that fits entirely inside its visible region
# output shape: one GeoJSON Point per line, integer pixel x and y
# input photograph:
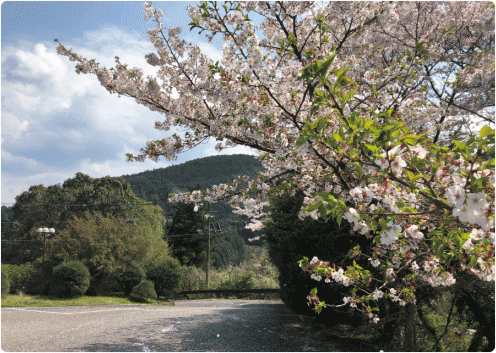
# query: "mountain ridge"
{"type": "Point", "coordinates": [155, 185]}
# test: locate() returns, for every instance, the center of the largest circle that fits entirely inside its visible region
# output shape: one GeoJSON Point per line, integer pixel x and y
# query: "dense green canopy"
{"type": "Point", "coordinates": [55, 206]}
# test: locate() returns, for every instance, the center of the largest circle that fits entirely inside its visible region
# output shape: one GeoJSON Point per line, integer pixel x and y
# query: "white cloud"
{"type": "Point", "coordinates": [12, 185]}
{"type": "Point", "coordinates": [39, 81]}
{"type": "Point", "coordinates": [210, 51]}
{"type": "Point", "coordinates": [12, 126]}
{"type": "Point", "coordinates": [208, 149]}
{"type": "Point", "coordinates": [116, 167]}
{"type": "Point", "coordinates": [107, 43]}
{"type": "Point", "coordinates": [50, 113]}
{"type": "Point", "coordinates": [25, 162]}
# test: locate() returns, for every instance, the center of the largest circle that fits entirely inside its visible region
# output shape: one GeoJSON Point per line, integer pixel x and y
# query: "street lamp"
{"type": "Point", "coordinates": [46, 232]}
{"type": "Point", "coordinates": [229, 270]}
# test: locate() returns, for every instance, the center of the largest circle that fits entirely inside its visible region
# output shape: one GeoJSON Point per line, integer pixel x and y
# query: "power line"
{"type": "Point", "coordinates": [96, 204]}
{"type": "Point", "coordinates": [178, 235]}
{"type": "Point", "coordinates": [12, 240]}
{"type": "Point", "coordinates": [90, 205]}
{"type": "Point", "coordinates": [129, 219]}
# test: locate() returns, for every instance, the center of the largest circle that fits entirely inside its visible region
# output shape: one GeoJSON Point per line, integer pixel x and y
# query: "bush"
{"type": "Point", "coordinates": [5, 283]}
{"type": "Point", "coordinates": [104, 285]}
{"type": "Point", "coordinates": [25, 277]}
{"type": "Point", "coordinates": [193, 278]}
{"type": "Point", "coordinates": [258, 272]}
{"type": "Point", "coordinates": [132, 276]}
{"type": "Point", "coordinates": [166, 274]}
{"type": "Point", "coordinates": [104, 244]}
{"type": "Point", "coordinates": [246, 280]}
{"type": "Point", "coordinates": [144, 290]}
{"type": "Point", "coordinates": [70, 279]}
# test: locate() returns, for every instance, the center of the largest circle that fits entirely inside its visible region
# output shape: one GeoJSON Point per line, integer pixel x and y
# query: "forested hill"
{"type": "Point", "coordinates": [155, 185]}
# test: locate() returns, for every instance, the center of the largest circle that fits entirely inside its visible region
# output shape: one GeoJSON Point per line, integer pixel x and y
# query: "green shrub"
{"type": "Point", "coordinates": [5, 283]}
{"type": "Point", "coordinates": [25, 277]}
{"type": "Point", "coordinates": [166, 274]}
{"type": "Point", "coordinates": [70, 279]}
{"type": "Point", "coordinates": [245, 280]}
{"type": "Point", "coordinates": [132, 276]}
{"type": "Point", "coordinates": [144, 290]}
{"type": "Point", "coordinates": [193, 278]}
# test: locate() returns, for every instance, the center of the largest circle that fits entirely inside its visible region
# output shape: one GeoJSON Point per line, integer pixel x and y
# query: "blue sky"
{"type": "Point", "coordinates": [55, 122]}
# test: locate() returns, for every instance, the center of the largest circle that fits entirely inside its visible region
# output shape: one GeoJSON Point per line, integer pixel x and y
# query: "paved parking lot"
{"type": "Point", "coordinates": [201, 325]}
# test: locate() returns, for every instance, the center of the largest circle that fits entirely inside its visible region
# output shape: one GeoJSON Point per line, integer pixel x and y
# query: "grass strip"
{"type": "Point", "coordinates": [14, 300]}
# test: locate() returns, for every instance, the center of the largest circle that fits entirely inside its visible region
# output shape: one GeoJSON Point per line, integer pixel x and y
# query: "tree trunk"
{"type": "Point", "coordinates": [409, 338]}
{"type": "Point", "coordinates": [486, 325]}
{"type": "Point", "coordinates": [476, 341]}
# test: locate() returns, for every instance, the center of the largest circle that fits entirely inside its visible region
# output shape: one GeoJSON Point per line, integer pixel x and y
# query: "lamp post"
{"type": "Point", "coordinates": [229, 270]}
{"type": "Point", "coordinates": [46, 232]}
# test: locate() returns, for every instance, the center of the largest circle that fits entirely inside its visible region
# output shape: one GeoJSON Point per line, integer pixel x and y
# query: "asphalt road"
{"type": "Point", "coordinates": [200, 325]}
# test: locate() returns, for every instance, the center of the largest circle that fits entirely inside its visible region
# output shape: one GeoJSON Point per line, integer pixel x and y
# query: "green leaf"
{"type": "Point", "coordinates": [340, 73]}
{"type": "Point", "coordinates": [473, 261]}
{"type": "Point", "coordinates": [417, 177]}
{"type": "Point", "coordinates": [337, 137]}
{"type": "Point", "coordinates": [325, 196]}
{"type": "Point", "coordinates": [373, 93]}
{"type": "Point", "coordinates": [321, 123]}
{"type": "Point", "coordinates": [486, 131]}
{"type": "Point", "coordinates": [489, 164]}
{"type": "Point", "coordinates": [358, 168]}
{"type": "Point", "coordinates": [460, 146]}
{"type": "Point", "coordinates": [320, 94]}
{"type": "Point", "coordinates": [339, 218]}
{"type": "Point", "coordinates": [324, 66]}
{"type": "Point", "coordinates": [301, 140]}
{"type": "Point", "coordinates": [314, 206]}
{"type": "Point", "coordinates": [373, 148]}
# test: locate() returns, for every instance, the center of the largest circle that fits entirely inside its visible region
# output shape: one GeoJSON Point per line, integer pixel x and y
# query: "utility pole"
{"type": "Point", "coordinates": [208, 252]}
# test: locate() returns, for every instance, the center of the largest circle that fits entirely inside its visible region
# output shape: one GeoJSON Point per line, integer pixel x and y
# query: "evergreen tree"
{"type": "Point", "coordinates": [188, 233]}
{"type": "Point", "coordinates": [289, 239]}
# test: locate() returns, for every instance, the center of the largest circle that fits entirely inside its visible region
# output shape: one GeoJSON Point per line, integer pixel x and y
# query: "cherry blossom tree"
{"type": "Point", "coordinates": [382, 113]}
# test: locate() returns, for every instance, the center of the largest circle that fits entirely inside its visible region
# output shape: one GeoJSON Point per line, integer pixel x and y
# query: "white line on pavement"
{"type": "Point", "coordinates": [81, 312]}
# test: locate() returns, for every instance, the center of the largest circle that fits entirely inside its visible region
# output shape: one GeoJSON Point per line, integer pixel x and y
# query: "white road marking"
{"type": "Point", "coordinates": [81, 312]}
{"type": "Point", "coordinates": [144, 348]}
{"type": "Point", "coordinates": [170, 328]}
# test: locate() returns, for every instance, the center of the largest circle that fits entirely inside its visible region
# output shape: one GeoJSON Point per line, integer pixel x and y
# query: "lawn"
{"type": "Point", "coordinates": [24, 300]}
